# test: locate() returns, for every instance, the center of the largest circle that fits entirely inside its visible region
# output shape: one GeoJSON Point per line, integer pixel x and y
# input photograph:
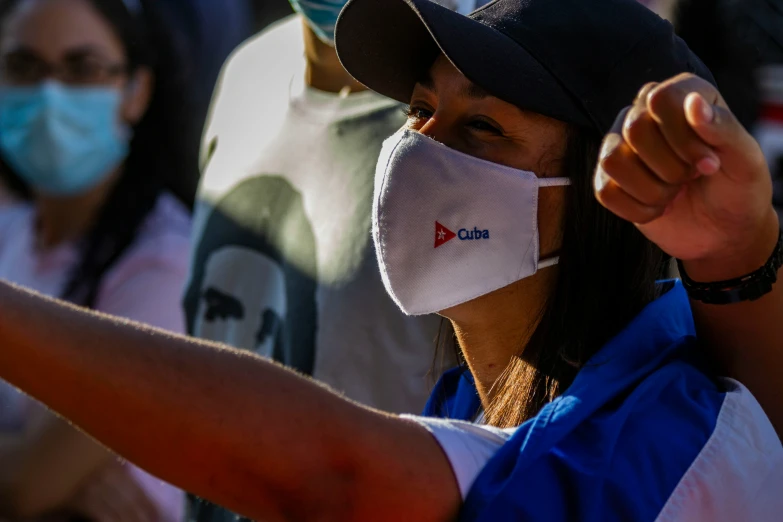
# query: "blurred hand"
{"type": "Point", "coordinates": [113, 495]}
{"type": "Point", "coordinates": [679, 165]}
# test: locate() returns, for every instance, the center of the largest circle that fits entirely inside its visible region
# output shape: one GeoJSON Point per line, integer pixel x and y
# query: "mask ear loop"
{"type": "Point", "coordinates": [551, 182]}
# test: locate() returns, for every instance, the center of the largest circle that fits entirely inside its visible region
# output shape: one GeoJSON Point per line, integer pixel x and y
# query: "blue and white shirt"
{"type": "Point", "coordinates": [643, 434]}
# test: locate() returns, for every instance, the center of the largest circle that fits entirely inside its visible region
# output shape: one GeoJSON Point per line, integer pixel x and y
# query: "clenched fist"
{"type": "Point", "coordinates": [679, 165]}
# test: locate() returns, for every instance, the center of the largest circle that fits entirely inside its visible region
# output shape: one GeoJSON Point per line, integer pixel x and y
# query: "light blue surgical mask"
{"type": "Point", "coordinates": [62, 140]}
{"type": "Point", "coordinates": [321, 16]}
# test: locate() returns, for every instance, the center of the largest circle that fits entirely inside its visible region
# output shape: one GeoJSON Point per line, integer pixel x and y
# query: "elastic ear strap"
{"type": "Point", "coordinates": [545, 263]}
{"type": "Point", "coordinates": [553, 182]}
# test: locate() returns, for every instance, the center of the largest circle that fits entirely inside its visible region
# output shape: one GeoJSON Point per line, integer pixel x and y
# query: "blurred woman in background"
{"type": "Point", "coordinates": [90, 139]}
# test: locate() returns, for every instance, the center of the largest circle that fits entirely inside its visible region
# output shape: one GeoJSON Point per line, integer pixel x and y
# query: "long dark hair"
{"type": "Point", "coordinates": [607, 275]}
{"type": "Point", "coordinates": [157, 151]}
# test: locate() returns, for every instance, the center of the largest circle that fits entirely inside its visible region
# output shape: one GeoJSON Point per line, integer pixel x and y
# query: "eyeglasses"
{"type": "Point", "coordinates": [23, 68]}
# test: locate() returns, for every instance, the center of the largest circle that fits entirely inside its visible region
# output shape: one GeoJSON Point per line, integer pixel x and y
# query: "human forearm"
{"type": "Point", "coordinates": [222, 424]}
{"type": "Point", "coordinates": [746, 337]}
{"type": "Point", "coordinates": [702, 194]}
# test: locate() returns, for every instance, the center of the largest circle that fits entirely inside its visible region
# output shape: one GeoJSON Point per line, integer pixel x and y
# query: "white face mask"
{"type": "Point", "coordinates": [448, 227]}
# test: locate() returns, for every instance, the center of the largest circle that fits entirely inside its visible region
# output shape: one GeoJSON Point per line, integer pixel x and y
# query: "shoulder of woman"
{"type": "Point", "coordinates": [11, 213]}
{"type": "Point", "coordinates": [14, 217]}
{"type": "Point", "coordinates": [164, 236]}
{"type": "Point", "coordinates": [155, 266]}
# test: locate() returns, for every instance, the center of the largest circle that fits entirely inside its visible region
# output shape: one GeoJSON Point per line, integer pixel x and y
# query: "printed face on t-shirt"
{"type": "Point", "coordinates": [242, 311]}
{"type": "Point", "coordinates": [253, 282]}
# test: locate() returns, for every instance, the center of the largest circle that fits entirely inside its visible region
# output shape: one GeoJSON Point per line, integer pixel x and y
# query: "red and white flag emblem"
{"type": "Point", "coordinates": [442, 235]}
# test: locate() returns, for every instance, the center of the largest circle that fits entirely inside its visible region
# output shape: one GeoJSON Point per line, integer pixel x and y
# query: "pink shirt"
{"type": "Point", "coordinates": [144, 285]}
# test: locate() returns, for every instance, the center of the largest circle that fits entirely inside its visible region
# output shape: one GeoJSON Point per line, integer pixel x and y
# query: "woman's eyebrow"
{"type": "Point", "coordinates": [471, 90]}
{"type": "Point", "coordinates": [21, 50]}
{"type": "Point", "coordinates": [84, 51]}
{"type": "Point", "coordinates": [427, 83]}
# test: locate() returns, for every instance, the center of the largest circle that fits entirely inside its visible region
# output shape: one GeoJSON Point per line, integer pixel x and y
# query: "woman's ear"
{"type": "Point", "coordinates": [138, 95]}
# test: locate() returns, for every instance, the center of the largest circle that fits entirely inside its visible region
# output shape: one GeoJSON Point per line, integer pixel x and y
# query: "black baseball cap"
{"type": "Point", "coordinates": [579, 61]}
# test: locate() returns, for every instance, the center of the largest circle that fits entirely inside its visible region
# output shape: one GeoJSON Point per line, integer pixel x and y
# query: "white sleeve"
{"type": "Point", "coordinates": [467, 446]}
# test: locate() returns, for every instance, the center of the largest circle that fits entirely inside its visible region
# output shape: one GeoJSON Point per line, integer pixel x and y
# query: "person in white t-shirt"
{"type": "Point", "coordinates": [97, 224]}
{"type": "Point", "coordinates": [283, 262]}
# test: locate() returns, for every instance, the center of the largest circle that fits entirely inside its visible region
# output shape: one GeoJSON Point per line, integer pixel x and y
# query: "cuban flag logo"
{"type": "Point", "coordinates": [442, 235]}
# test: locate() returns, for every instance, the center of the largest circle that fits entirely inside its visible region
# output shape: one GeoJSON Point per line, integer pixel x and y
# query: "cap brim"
{"type": "Point", "coordinates": [389, 45]}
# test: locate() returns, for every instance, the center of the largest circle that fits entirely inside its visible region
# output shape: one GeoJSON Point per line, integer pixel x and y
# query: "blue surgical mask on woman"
{"type": "Point", "coordinates": [62, 140]}
{"type": "Point", "coordinates": [321, 16]}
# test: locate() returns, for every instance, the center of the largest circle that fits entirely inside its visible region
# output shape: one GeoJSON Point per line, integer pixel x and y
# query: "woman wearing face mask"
{"type": "Point", "coordinates": [596, 402]}
{"type": "Point", "coordinates": [83, 137]}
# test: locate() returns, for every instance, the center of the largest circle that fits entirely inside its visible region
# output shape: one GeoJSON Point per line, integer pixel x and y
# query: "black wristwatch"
{"type": "Point", "coordinates": [746, 288]}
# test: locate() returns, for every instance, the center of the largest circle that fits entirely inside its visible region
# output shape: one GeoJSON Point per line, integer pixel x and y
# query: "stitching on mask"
{"type": "Point", "coordinates": [383, 186]}
{"type": "Point", "coordinates": [534, 224]}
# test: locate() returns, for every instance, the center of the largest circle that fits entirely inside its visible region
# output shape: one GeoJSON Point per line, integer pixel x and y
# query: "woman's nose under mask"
{"type": "Point", "coordinates": [62, 140]}
{"type": "Point", "coordinates": [448, 227]}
